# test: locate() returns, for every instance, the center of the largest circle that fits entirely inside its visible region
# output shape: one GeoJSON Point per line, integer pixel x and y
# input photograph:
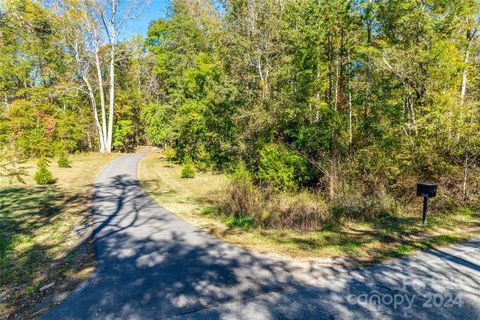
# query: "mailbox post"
{"type": "Point", "coordinates": [426, 190]}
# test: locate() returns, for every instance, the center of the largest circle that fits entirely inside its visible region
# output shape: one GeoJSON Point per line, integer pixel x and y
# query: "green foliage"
{"type": "Point", "coordinates": [281, 169]}
{"type": "Point", "coordinates": [188, 169]}
{"type": "Point", "coordinates": [241, 173]}
{"type": "Point", "coordinates": [156, 119]}
{"type": "Point", "coordinates": [309, 94]}
{"type": "Point", "coordinates": [170, 153]}
{"type": "Point", "coordinates": [240, 222]}
{"type": "Point", "coordinates": [122, 134]}
{"type": "Point", "coordinates": [195, 116]}
{"type": "Point", "coordinates": [41, 106]}
{"type": "Point", "coordinates": [63, 161]}
{"type": "Point", "coordinates": [366, 93]}
{"type": "Point", "coordinates": [43, 175]}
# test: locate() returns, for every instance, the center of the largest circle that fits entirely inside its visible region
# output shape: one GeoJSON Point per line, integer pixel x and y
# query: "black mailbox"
{"type": "Point", "coordinates": [428, 190]}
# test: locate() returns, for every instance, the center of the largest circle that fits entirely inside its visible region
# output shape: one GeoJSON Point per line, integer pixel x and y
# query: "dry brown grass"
{"type": "Point", "coordinates": [303, 211]}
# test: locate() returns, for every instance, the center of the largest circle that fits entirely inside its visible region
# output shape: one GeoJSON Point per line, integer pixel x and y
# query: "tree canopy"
{"type": "Point", "coordinates": [318, 94]}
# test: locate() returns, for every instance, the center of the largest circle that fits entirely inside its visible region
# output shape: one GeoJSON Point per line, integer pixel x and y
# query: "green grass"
{"type": "Point", "coordinates": [38, 242]}
{"type": "Point", "coordinates": [239, 222]}
{"type": "Point", "coordinates": [186, 197]}
{"type": "Point", "coordinates": [368, 242]}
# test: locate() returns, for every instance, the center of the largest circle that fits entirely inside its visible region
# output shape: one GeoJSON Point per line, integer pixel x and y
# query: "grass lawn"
{"type": "Point", "coordinates": [361, 243]}
{"type": "Point", "coordinates": [44, 247]}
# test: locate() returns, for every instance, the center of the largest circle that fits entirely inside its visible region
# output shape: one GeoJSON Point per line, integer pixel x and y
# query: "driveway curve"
{"type": "Point", "coordinates": [151, 264]}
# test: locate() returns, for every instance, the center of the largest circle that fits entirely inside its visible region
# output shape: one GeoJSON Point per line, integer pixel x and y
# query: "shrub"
{"type": "Point", "coordinates": [201, 166]}
{"type": "Point", "coordinates": [241, 199]}
{"type": "Point", "coordinates": [169, 153]}
{"type": "Point", "coordinates": [281, 169]}
{"type": "Point", "coordinates": [303, 211]}
{"type": "Point", "coordinates": [202, 159]}
{"type": "Point", "coordinates": [241, 173]}
{"type": "Point", "coordinates": [359, 205]}
{"type": "Point", "coordinates": [43, 175]}
{"type": "Point", "coordinates": [63, 161]}
{"type": "Point", "coordinates": [122, 134]}
{"type": "Point", "coordinates": [188, 169]}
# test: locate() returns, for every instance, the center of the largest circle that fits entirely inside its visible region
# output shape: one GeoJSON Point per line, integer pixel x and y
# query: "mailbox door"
{"type": "Point", "coordinates": [426, 189]}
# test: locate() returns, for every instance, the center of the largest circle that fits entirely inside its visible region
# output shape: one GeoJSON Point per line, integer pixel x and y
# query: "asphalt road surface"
{"type": "Point", "coordinates": [153, 265]}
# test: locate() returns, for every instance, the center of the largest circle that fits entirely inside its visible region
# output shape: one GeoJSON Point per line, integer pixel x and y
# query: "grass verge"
{"type": "Point", "coordinates": [368, 242]}
{"type": "Point", "coordinates": [44, 247]}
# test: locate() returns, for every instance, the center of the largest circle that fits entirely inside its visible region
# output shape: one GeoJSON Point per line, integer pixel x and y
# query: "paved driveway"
{"type": "Point", "coordinates": [153, 265]}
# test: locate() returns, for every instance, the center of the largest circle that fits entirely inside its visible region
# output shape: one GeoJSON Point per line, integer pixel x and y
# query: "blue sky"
{"type": "Point", "coordinates": [156, 9]}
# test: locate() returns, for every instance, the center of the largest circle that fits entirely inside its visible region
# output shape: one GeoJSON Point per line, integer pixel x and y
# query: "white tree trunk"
{"type": "Point", "coordinates": [463, 89]}
{"type": "Point", "coordinates": [112, 99]}
{"type": "Point", "coordinates": [101, 138]}
{"type": "Point", "coordinates": [102, 95]}
{"type": "Point", "coordinates": [83, 70]}
{"type": "Point", "coordinates": [111, 26]}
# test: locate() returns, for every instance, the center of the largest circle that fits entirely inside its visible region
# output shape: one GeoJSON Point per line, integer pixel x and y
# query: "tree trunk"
{"type": "Point", "coordinates": [89, 142]}
{"type": "Point", "coordinates": [350, 104]}
{"type": "Point", "coordinates": [102, 95]}
{"type": "Point", "coordinates": [112, 98]}
{"type": "Point", "coordinates": [101, 138]}
{"type": "Point", "coordinates": [463, 89]}
{"type": "Point", "coordinates": [367, 64]}
{"type": "Point", "coordinates": [465, 178]}
{"type": "Point", "coordinates": [336, 85]}
{"type": "Point", "coordinates": [350, 130]}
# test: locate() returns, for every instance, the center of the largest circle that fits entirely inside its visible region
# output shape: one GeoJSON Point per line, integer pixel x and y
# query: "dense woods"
{"type": "Point", "coordinates": [349, 101]}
